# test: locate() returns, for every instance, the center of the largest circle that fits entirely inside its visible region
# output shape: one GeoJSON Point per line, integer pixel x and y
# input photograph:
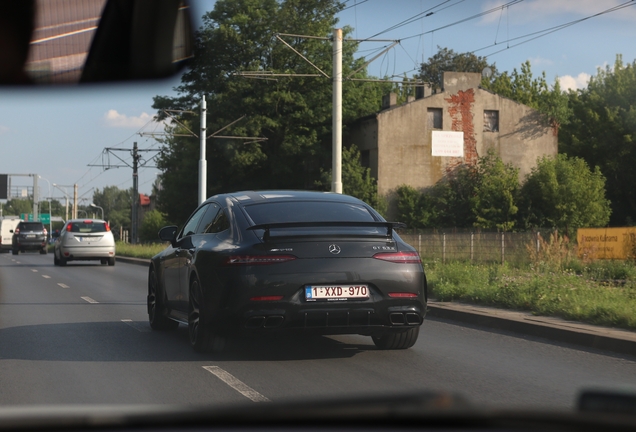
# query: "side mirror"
{"type": "Point", "coordinates": [168, 234]}
{"type": "Point", "coordinates": [11, 231]}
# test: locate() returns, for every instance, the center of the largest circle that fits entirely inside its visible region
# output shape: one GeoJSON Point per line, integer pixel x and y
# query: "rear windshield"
{"type": "Point", "coordinates": [86, 227]}
{"type": "Point", "coordinates": [312, 211]}
{"type": "Point", "coordinates": [31, 226]}
{"type": "Point", "coordinates": [307, 211]}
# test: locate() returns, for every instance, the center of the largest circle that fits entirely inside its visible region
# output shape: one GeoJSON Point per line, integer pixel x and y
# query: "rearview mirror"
{"type": "Point", "coordinates": [79, 41]}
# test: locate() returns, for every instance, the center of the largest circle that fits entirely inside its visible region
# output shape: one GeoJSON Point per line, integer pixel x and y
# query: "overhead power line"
{"type": "Point", "coordinates": [550, 30]}
{"type": "Point", "coordinates": [472, 17]}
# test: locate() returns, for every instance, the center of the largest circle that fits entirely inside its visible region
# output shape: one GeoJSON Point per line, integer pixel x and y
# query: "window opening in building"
{"type": "Point", "coordinates": [434, 118]}
{"type": "Point", "coordinates": [491, 121]}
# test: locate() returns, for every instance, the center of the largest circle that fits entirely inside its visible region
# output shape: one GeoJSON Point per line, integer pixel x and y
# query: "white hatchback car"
{"type": "Point", "coordinates": [85, 239]}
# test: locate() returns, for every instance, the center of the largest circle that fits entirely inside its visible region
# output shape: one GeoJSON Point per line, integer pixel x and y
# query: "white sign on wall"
{"type": "Point", "coordinates": [446, 143]}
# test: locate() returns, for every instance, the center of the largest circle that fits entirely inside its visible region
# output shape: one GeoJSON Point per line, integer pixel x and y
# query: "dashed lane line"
{"type": "Point", "coordinates": [34, 270]}
{"type": "Point", "coordinates": [143, 328]}
{"type": "Point", "coordinates": [63, 285]}
{"type": "Point", "coordinates": [89, 300]}
{"type": "Point", "coordinates": [236, 384]}
{"type": "Point", "coordinates": [46, 276]}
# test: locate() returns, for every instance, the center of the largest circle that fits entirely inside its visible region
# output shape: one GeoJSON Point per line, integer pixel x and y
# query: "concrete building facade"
{"type": "Point", "coordinates": [396, 143]}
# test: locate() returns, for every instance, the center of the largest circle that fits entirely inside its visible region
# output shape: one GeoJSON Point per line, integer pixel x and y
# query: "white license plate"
{"type": "Point", "coordinates": [30, 236]}
{"type": "Point", "coordinates": [336, 292]}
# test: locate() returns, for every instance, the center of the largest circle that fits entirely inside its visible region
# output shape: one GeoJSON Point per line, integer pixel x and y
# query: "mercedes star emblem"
{"type": "Point", "coordinates": [334, 249]}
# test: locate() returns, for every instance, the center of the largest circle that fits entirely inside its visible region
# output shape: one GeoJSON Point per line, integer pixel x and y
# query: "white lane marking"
{"type": "Point", "coordinates": [34, 270]}
{"type": "Point", "coordinates": [143, 328]}
{"type": "Point", "coordinates": [46, 277]}
{"type": "Point", "coordinates": [90, 300]}
{"type": "Point", "coordinates": [63, 285]}
{"type": "Point", "coordinates": [236, 384]}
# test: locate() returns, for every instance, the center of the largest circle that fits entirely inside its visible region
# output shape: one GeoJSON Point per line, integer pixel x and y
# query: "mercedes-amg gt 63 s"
{"type": "Point", "coordinates": [287, 261]}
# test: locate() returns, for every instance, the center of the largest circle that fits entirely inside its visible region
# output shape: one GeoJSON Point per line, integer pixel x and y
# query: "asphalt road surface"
{"type": "Point", "coordinates": [79, 335]}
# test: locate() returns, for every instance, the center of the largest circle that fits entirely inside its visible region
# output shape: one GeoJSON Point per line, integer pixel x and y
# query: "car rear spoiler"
{"type": "Point", "coordinates": [390, 226]}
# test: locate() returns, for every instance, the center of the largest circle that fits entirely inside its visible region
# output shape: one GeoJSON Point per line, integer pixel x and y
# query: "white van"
{"type": "Point", "coordinates": [7, 225]}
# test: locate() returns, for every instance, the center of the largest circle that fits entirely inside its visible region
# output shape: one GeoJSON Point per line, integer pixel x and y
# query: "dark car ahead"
{"type": "Point", "coordinates": [29, 236]}
{"type": "Point", "coordinates": [287, 261]}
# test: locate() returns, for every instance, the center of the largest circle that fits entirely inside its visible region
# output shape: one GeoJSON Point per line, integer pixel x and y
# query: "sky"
{"type": "Point", "coordinates": [58, 133]}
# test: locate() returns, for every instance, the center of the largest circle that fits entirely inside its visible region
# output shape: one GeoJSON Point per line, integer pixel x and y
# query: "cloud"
{"type": "Point", "coordinates": [540, 10]}
{"type": "Point", "coordinates": [569, 82]}
{"type": "Point", "coordinates": [540, 61]}
{"type": "Point", "coordinates": [114, 119]}
{"type": "Point", "coordinates": [4, 129]}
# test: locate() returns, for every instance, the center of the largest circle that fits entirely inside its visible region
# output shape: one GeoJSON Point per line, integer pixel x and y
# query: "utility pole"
{"type": "Point", "coordinates": [75, 201]}
{"type": "Point", "coordinates": [36, 214]}
{"type": "Point", "coordinates": [336, 125]}
{"type": "Point", "coordinates": [203, 164]}
{"type": "Point", "coordinates": [136, 163]}
{"type": "Point", "coordinates": [135, 197]}
{"type": "Point", "coordinates": [337, 79]}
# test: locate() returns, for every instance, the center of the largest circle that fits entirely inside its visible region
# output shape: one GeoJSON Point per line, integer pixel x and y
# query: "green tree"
{"type": "Point", "coordinates": [494, 202]}
{"type": "Point", "coordinates": [603, 133]}
{"type": "Point", "coordinates": [117, 205]}
{"type": "Point", "coordinates": [294, 114]}
{"type": "Point", "coordinates": [521, 86]}
{"type": "Point", "coordinates": [447, 204]}
{"type": "Point", "coordinates": [447, 60]}
{"type": "Point", "coordinates": [17, 206]}
{"type": "Point", "coordinates": [357, 180]}
{"type": "Point", "coordinates": [564, 193]}
{"type": "Point", "coordinates": [153, 221]}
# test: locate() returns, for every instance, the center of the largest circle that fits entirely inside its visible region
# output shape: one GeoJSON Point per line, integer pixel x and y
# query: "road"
{"type": "Point", "coordinates": [79, 334]}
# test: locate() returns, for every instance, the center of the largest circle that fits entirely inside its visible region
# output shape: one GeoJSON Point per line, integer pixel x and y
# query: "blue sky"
{"type": "Point", "coordinates": [57, 133]}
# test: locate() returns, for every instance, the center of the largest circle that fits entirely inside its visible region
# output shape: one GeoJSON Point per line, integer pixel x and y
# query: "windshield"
{"type": "Point", "coordinates": [86, 227]}
{"type": "Point", "coordinates": [307, 211]}
{"type": "Point", "coordinates": [26, 226]}
{"type": "Point", "coordinates": [501, 133]}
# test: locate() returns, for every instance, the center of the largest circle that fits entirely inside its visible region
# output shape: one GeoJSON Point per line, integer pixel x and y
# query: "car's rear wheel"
{"type": "Point", "coordinates": [202, 335]}
{"type": "Point", "coordinates": [156, 306]}
{"type": "Point", "coordinates": [111, 261]}
{"type": "Point", "coordinates": [395, 341]}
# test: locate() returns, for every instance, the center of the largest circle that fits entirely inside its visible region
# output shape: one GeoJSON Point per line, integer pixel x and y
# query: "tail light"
{"type": "Point", "coordinates": [16, 231]}
{"type": "Point", "coordinates": [257, 259]}
{"type": "Point", "coordinates": [106, 226]}
{"type": "Point", "coordinates": [399, 257]}
{"type": "Point", "coordinates": [69, 227]}
{"type": "Point", "coordinates": [45, 231]}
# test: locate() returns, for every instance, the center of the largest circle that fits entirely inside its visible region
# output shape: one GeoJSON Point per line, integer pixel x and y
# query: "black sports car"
{"type": "Point", "coordinates": [287, 261]}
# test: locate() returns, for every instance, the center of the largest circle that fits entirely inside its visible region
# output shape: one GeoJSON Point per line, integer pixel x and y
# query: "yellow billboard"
{"type": "Point", "coordinates": [606, 243]}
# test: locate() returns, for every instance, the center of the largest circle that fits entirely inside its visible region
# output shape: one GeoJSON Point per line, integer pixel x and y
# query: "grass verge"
{"type": "Point", "coordinates": [597, 293]}
{"type": "Point", "coordinates": [140, 250]}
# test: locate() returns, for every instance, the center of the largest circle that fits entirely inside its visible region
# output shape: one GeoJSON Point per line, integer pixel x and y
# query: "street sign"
{"type": "Point", "coordinates": [26, 217]}
{"type": "Point", "coordinates": [45, 218]}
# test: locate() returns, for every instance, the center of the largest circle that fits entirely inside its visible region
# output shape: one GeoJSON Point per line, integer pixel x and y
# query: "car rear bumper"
{"type": "Point", "coordinates": [247, 308]}
{"type": "Point", "coordinates": [30, 244]}
{"type": "Point", "coordinates": [87, 253]}
{"type": "Point", "coordinates": [367, 320]}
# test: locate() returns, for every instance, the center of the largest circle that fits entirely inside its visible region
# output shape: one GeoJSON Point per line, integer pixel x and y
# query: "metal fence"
{"type": "Point", "coordinates": [478, 246]}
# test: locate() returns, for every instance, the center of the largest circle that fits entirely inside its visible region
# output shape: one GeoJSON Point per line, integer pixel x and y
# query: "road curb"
{"type": "Point", "coordinates": [602, 338]}
{"type": "Point", "coordinates": [137, 261]}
